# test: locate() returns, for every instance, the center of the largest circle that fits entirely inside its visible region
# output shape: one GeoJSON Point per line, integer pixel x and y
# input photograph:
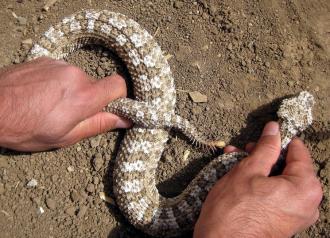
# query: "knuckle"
{"type": "Point", "coordinates": [270, 147]}
{"type": "Point", "coordinates": [313, 191]}
{"type": "Point", "coordinates": [73, 72]}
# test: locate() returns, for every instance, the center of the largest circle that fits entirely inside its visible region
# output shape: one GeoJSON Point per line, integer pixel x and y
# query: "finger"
{"type": "Point", "coordinates": [97, 124]}
{"type": "Point", "coordinates": [108, 89]}
{"type": "Point", "coordinates": [230, 149]}
{"type": "Point", "coordinates": [250, 147]}
{"type": "Point", "coordinates": [298, 161]}
{"type": "Point", "coordinates": [267, 150]}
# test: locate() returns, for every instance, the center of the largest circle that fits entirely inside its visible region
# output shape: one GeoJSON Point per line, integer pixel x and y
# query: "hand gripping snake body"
{"type": "Point", "coordinates": [153, 112]}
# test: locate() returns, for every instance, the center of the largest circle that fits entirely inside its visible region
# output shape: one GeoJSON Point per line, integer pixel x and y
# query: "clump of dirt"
{"type": "Point", "coordinates": [242, 55]}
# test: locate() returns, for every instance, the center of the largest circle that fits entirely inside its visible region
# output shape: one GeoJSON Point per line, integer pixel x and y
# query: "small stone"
{"type": "Point", "coordinates": [90, 188]}
{"type": "Point", "coordinates": [54, 178]}
{"type": "Point", "coordinates": [290, 83]}
{"type": "Point", "coordinates": [197, 97]}
{"type": "Point", "coordinates": [70, 168]}
{"type": "Point", "coordinates": [3, 162]}
{"type": "Point", "coordinates": [186, 155]}
{"type": "Point", "coordinates": [78, 148]}
{"type": "Point", "coordinates": [82, 211]}
{"type": "Point", "coordinates": [106, 198]}
{"type": "Point", "coordinates": [32, 183]}
{"type": "Point", "coordinates": [95, 142]}
{"type": "Point", "coordinates": [267, 64]}
{"type": "Point", "coordinates": [75, 197]}
{"type": "Point", "coordinates": [98, 162]}
{"type": "Point", "coordinates": [70, 211]}
{"type": "Point", "coordinates": [96, 180]}
{"type": "Point", "coordinates": [27, 42]}
{"type": "Point", "coordinates": [2, 188]}
{"type": "Point", "coordinates": [51, 204]}
{"type": "Point", "coordinates": [40, 211]}
{"type": "Point", "coordinates": [177, 4]}
{"type": "Point", "coordinates": [22, 21]}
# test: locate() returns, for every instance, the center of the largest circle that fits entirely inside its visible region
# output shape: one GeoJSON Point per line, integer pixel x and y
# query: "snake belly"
{"type": "Point", "coordinates": [134, 175]}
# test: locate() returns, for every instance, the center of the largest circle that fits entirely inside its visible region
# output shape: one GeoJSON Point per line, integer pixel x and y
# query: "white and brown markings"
{"type": "Point", "coordinates": [152, 110]}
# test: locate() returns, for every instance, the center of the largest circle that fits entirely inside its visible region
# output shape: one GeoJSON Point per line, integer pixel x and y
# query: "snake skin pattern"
{"type": "Point", "coordinates": [152, 111]}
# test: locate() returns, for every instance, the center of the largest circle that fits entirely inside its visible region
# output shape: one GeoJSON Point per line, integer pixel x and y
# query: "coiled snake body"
{"type": "Point", "coordinates": [153, 114]}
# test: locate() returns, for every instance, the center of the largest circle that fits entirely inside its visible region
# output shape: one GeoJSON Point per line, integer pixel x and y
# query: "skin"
{"type": "Point", "coordinates": [47, 104]}
{"type": "Point", "coordinates": [246, 202]}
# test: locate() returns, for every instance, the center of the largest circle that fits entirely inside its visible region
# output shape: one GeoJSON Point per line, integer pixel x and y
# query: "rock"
{"type": "Point", "coordinates": [177, 4]}
{"type": "Point", "coordinates": [32, 183]}
{"type": "Point", "coordinates": [78, 148]}
{"type": "Point", "coordinates": [95, 142]}
{"type": "Point", "coordinates": [183, 53]}
{"type": "Point", "coordinates": [197, 97]}
{"type": "Point", "coordinates": [82, 211]}
{"type": "Point", "coordinates": [70, 211]}
{"type": "Point", "coordinates": [22, 21]}
{"type": "Point", "coordinates": [2, 188]}
{"type": "Point", "coordinates": [98, 162]}
{"type": "Point", "coordinates": [90, 188]}
{"type": "Point", "coordinates": [54, 178]}
{"type": "Point", "coordinates": [75, 197]}
{"type": "Point", "coordinates": [3, 162]}
{"type": "Point", "coordinates": [70, 168]}
{"type": "Point", "coordinates": [28, 42]}
{"type": "Point", "coordinates": [40, 211]}
{"type": "Point", "coordinates": [267, 64]}
{"type": "Point", "coordinates": [51, 204]}
{"type": "Point", "coordinates": [96, 180]}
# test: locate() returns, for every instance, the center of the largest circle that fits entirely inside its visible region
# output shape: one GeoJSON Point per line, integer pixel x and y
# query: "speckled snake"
{"type": "Point", "coordinates": [153, 112]}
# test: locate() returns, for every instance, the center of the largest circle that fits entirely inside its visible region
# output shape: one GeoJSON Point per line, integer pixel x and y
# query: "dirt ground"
{"type": "Point", "coordinates": [243, 55]}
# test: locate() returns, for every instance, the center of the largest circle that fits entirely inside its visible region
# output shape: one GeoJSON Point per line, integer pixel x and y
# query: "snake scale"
{"type": "Point", "coordinates": [153, 112]}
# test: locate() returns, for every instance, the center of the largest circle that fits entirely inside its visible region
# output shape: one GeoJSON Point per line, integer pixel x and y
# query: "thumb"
{"type": "Point", "coordinates": [94, 125]}
{"type": "Point", "coordinates": [107, 90]}
{"type": "Point", "coordinates": [267, 150]}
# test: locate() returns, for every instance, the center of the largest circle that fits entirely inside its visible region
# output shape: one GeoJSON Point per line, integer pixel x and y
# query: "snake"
{"type": "Point", "coordinates": [152, 110]}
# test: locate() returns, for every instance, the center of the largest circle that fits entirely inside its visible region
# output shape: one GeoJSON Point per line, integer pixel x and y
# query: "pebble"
{"type": "Point", "coordinates": [267, 64]}
{"type": "Point", "coordinates": [95, 142]}
{"type": "Point", "coordinates": [177, 4]}
{"type": "Point", "coordinates": [70, 168]}
{"type": "Point", "coordinates": [75, 197]}
{"type": "Point", "coordinates": [22, 21]}
{"type": "Point", "coordinates": [3, 162]}
{"type": "Point", "coordinates": [2, 188]}
{"type": "Point", "coordinates": [54, 178]}
{"type": "Point", "coordinates": [27, 42]}
{"type": "Point", "coordinates": [82, 211]}
{"type": "Point", "coordinates": [51, 204]}
{"type": "Point", "coordinates": [70, 211]}
{"type": "Point", "coordinates": [197, 97]}
{"type": "Point", "coordinates": [32, 183]}
{"type": "Point", "coordinates": [98, 162]}
{"type": "Point", "coordinates": [96, 180]}
{"type": "Point", "coordinates": [40, 210]}
{"type": "Point", "coordinates": [90, 188]}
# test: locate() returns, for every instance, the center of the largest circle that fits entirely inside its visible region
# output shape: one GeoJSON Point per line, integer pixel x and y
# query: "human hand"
{"type": "Point", "coordinates": [48, 104]}
{"type": "Point", "coordinates": [248, 203]}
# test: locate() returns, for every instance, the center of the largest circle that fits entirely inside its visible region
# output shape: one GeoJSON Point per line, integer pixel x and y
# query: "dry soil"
{"type": "Point", "coordinates": [243, 55]}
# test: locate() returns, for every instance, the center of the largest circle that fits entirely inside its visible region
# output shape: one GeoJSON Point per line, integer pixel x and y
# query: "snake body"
{"type": "Point", "coordinates": [153, 112]}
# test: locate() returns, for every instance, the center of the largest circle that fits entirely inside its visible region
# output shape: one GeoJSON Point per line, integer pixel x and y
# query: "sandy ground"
{"type": "Point", "coordinates": [243, 55]}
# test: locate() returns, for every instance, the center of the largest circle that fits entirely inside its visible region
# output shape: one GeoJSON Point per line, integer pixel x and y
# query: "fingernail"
{"type": "Point", "coordinates": [122, 123]}
{"type": "Point", "coordinates": [271, 129]}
